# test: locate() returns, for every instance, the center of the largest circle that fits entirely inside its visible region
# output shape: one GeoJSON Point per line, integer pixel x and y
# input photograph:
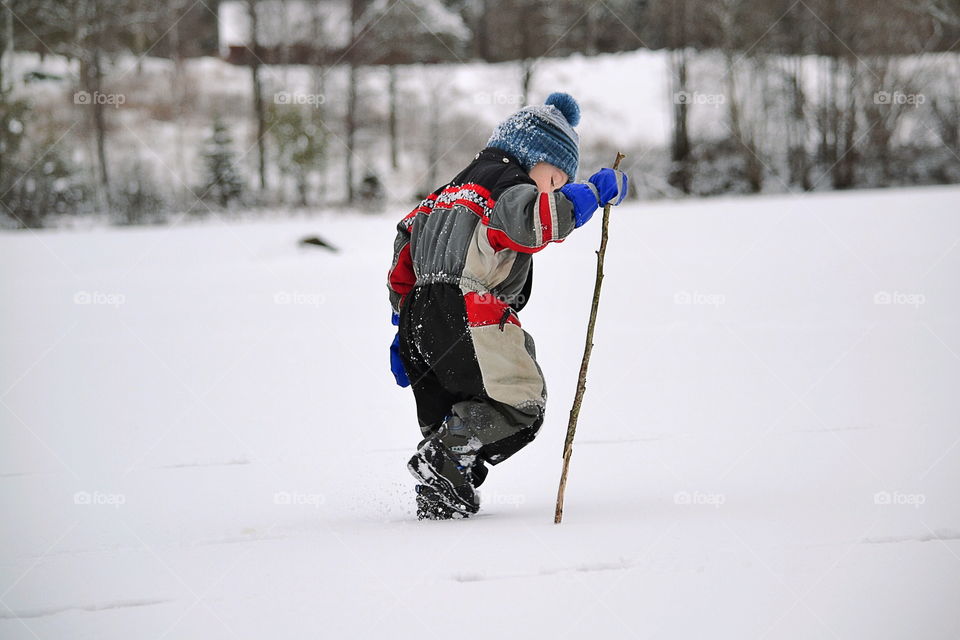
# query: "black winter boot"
{"type": "Point", "coordinates": [430, 507]}
{"type": "Point", "coordinates": [448, 475]}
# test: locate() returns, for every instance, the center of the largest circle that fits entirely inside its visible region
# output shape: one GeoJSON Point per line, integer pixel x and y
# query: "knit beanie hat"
{"type": "Point", "coordinates": [542, 133]}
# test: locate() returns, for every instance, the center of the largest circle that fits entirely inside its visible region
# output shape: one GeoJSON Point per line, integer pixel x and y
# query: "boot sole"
{"type": "Point", "coordinates": [445, 492]}
{"type": "Point", "coordinates": [430, 507]}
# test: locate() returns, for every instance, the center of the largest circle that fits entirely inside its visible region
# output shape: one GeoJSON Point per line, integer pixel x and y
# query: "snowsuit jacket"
{"type": "Point", "coordinates": [479, 232]}
{"type": "Point", "coordinates": [461, 270]}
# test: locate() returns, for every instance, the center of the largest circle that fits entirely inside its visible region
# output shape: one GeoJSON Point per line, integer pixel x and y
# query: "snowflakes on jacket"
{"type": "Point", "coordinates": [479, 232]}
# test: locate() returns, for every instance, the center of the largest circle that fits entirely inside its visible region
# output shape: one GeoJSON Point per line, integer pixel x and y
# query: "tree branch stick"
{"type": "Point", "coordinates": [585, 363]}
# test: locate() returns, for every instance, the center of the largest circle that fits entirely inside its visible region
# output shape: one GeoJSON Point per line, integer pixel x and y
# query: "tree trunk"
{"type": "Point", "coordinates": [846, 126]}
{"type": "Point", "coordinates": [481, 40]}
{"type": "Point", "coordinates": [526, 70]}
{"type": "Point", "coordinates": [356, 11]}
{"type": "Point", "coordinates": [796, 130]}
{"type": "Point", "coordinates": [95, 76]}
{"type": "Point", "coordinates": [178, 91]}
{"type": "Point", "coordinates": [7, 50]}
{"type": "Point", "coordinates": [733, 101]}
{"type": "Point", "coordinates": [392, 70]}
{"type": "Point", "coordinates": [257, 95]}
{"type": "Point", "coordinates": [302, 186]}
{"type": "Point", "coordinates": [680, 146]}
{"type": "Point", "coordinates": [590, 32]}
{"type": "Point", "coordinates": [351, 126]}
{"type": "Point", "coordinates": [261, 125]}
{"type": "Point", "coordinates": [319, 88]}
{"type": "Point", "coordinates": [6, 58]}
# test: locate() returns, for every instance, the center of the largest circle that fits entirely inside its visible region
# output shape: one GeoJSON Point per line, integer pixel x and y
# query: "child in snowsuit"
{"type": "Point", "coordinates": [462, 269]}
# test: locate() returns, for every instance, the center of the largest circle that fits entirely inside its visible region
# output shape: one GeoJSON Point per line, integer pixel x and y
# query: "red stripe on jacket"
{"type": "Point", "coordinates": [401, 277]}
{"type": "Point", "coordinates": [484, 309]}
{"type": "Point", "coordinates": [469, 204]}
{"type": "Point", "coordinates": [426, 206]}
{"type": "Point", "coordinates": [470, 186]}
{"type": "Point", "coordinates": [500, 241]}
{"type": "Point", "coordinates": [546, 224]}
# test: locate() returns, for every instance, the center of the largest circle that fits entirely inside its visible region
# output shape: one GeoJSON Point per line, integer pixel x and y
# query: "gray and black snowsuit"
{"type": "Point", "coordinates": [462, 269]}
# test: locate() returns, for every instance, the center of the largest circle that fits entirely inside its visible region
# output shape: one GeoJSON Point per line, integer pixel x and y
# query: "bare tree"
{"type": "Point", "coordinates": [256, 86]}
{"type": "Point", "coordinates": [680, 148]}
{"type": "Point", "coordinates": [6, 78]}
{"type": "Point", "coordinates": [731, 20]}
{"type": "Point", "coordinates": [350, 124]}
{"type": "Point", "coordinates": [392, 116]}
{"type": "Point", "coordinates": [798, 162]}
{"type": "Point", "coordinates": [319, 68]}
{"type": "Point", "coordinates": [6, 48]}
{"type": "Point", "coordinates": [178, 85]}
{"type": "Point", "coordinates": [790, 36]}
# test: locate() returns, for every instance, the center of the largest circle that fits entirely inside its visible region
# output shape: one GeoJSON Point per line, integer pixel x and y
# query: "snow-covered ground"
{"type": "Point", "coordinates": [201, 439]}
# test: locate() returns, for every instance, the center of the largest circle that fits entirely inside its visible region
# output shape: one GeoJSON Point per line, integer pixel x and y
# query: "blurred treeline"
{"type": "Point", "coordinates": [805, 94]}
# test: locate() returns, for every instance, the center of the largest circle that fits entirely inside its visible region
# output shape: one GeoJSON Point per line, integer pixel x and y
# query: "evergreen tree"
{"type": "Point", "coordinates": [223, 182]}
{"type": "Point", "coordinates": [298, 138]}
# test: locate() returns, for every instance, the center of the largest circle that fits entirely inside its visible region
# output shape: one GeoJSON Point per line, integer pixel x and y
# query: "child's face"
{"type": "Point", "coordinates": [548, 177]}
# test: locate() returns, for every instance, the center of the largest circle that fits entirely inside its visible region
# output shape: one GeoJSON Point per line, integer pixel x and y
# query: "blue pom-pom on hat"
{"type": "Point", "coordinates": [565, 103]}
{"type": "Point", "coordinates": [543, 133]}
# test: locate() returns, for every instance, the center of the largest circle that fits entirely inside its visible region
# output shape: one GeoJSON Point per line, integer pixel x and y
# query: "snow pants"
{"type": "Point", "coordinates": [472, 367]}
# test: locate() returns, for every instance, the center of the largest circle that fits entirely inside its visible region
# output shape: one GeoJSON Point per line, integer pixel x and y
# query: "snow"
{"type": "Point", "coordinates": [279, 21]}
{"type": "Point", "coordinates": [202, 439]}
{"type": "Point", "coordinates": [625, 99]}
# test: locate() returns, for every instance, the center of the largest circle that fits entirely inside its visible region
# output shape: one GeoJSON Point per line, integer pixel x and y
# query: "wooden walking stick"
{"type": "Point", "coordinates": [587, 349]}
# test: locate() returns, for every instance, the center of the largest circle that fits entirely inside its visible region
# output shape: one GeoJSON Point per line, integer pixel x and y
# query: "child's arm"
{"type": "Point", "coordinates": [401, 278]}
{"type": "Point", "coordinates": [527, 220]}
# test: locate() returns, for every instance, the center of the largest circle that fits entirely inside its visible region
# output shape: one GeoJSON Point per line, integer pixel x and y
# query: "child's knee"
{"type": "Point", "coordinates": [498, 451]}
{"type": "Point", "coordinates": [510, 374]}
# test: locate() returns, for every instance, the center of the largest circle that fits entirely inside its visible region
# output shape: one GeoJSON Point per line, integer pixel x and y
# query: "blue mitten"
{"type": "Point", "coordinates": [583, 195]}
{"type": "Point", "coordinates": [396, 362]}
{"type": "Point", "coordinates": [611, 186]}
{"type": "Point", "coordinates": [606, 186]}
